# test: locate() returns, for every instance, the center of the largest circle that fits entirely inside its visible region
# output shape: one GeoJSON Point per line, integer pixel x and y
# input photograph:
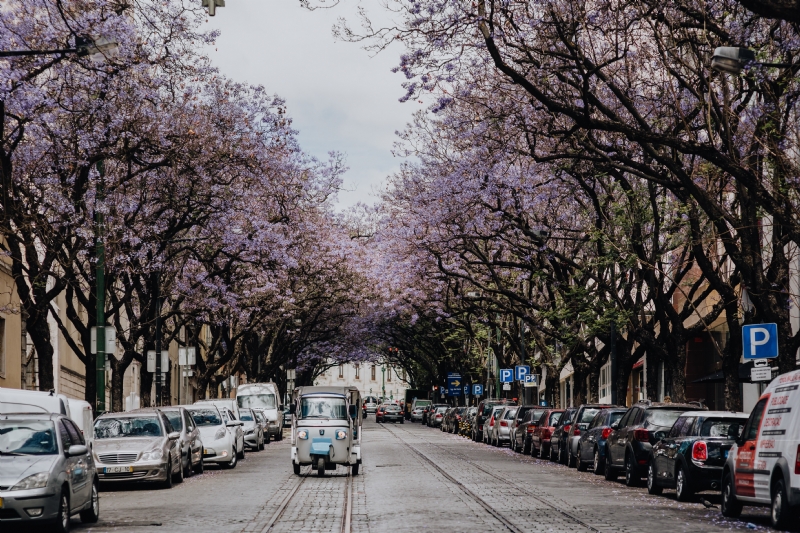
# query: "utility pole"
{"type": "Point", "coordinates": [100, 292]}
{"type": "Point", "coordinates": [613, 357]}
{"type": "Point", "coordinates": [158, 338]}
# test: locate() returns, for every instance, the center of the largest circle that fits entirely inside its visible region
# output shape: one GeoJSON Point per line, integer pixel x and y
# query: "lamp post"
{"type": "Point", "coordinates": [732, 59]}
{"type": "Point", "coordinates": [383, 381]}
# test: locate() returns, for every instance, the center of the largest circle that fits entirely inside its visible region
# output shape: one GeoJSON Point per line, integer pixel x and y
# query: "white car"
{"type": "Point", "coordinates": [219, 442]}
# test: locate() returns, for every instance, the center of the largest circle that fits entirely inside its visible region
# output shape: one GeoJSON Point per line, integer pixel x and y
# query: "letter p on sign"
{"type": "Point", "coordinates": [760, 341]}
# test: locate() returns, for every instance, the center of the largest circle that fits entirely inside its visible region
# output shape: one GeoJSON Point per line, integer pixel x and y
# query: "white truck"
{"type": "Point", "coordinates": [265, 398]}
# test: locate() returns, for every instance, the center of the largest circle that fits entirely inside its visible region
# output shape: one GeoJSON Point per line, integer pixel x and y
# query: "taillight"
{"type": "Point", "coordinates": [641, 435]}
{"type": "Point", "coordinates": [797, 461]}
{"type": "Point", "coordinates": [530, 429]}
{"type": "Point", "coordinates": [503, 423]}
{"type": "Point", "coordinates": [577, 432]}
{"type": "Point", "coordinates": [566, 428]}
{"type": "Point", "coordinates": [700, 451]}
{"type": "Point", "coordinates": [606, 432]}
{"type": "Point", "coordinates": [546, 433]}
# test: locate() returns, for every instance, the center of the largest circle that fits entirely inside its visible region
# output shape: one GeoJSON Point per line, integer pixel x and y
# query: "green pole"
{"type": "Point", "coordinates": [383, 382]}
{"type": "Point", "coordinates": [100, 253]}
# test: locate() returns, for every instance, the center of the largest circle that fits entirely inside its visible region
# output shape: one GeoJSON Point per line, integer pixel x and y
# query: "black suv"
{"type": "Point", "coordinates": [629, 448]}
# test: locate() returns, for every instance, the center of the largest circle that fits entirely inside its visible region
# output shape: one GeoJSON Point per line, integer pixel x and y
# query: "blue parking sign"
{"type": "Point", "coordinates": [506, 375]}
{"type": "Point", "coordinates": [477, 390]}
{"type": "Point", "coordinates": [520, 371]}
{"type": "Point", "coordinates": [760, 341]}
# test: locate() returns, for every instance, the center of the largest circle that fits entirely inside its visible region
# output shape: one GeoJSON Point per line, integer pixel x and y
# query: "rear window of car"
{"type": "Point", "coordinates": [510, 414]}
{"type": "Point", "coordinates": [588, 415]}
{"type": "Point", "coordinates": [615, 417]}
{"type": "Point", "coordinates": [663, 417]}
{"type": "Point", "coordinates": [554, 418]}
{"type": "Point", "coordinates": [718, 427]}
{"type": "Point", "coordinates": [392, 408]}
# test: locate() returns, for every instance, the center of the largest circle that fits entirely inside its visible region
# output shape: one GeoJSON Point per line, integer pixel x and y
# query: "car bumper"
{"type": "Point", "coordinates": [19, 504]}
{"type": "Point", "coordinates": [416, 417]}
{"type": "Point", "coordinates": [705, 477]}
{"type": "Point", "coordinates": [251, 440]}
{"type": "Point", "coordinates": [137, 472]}
{"type": "Point", "coordinates": [393, 418]}
{"type": "Point", "coordinates": [217, 454]}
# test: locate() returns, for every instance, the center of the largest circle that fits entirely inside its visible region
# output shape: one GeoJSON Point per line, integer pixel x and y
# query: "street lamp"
{"type": "Point", "coordinates": [84, 46]}
{"type": "Point", "coordinates": [732, 59]}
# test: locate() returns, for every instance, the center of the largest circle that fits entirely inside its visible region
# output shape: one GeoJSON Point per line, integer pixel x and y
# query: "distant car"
{"type": "Point", "coordinates": [542, 433]}
{"type": "Point", "coordinates": [393, 413]}
{"type": "Point", "coordinates": [418, 406]}
{"type": "Point", "coordinates": [47, 473]}
{"type": "Point", "coordinates": [583, 418]}
{"type": "Point", "coordinates": [416, 413]}
{"type": "Point", "coordinates": [629, 447]}
{"type": "Point", "coordinates": [524, 426]}
{"type": "Point", "coordinates": [138, 445]}
{"type": "Point", "coordinates": [190, 443]}
{"type": "Point", "coordinates": [287, 417]}
{"type": "Point", "coordinates": [592, 445]}
{"type": "Point", "coordinates": [263, 421]}
{"type": "Point", "coordinates": [558, 440]}
{"type": "Point", "coordinates": [370, 404]}
{"type": "Point", "coordinates": [501, 432]}
{"type": "Point", "coordinates": [219, 444]}
{"type": "Point", "coordinates": [253, 431]}
{"type": "Point", "coordinates": [484, 411]}
{"type": "Point", "coordinates": [436, 417]}
{"type": "Point", "coordinates": [690, 458]}
{"type": "Point", "coordinates": [488, 427]}
{"type": "Point", "coordinates": [467, 417]}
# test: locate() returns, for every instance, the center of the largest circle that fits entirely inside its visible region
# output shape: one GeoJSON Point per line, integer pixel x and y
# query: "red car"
{"type": "Point", "coordinates": [379, 413]}
{"type": "Point", "coordinates": [540, 439]}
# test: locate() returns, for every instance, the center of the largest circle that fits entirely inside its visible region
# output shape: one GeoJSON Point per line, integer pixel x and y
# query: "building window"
{"type": "Point", "coordinates": [389, 374]}
{"type": "Point", "coordinates": [3, 347]}
{"type": "Point", "coordinates": [358, 371]}
{"type": "Point", "coordinates": [341, 371]}
{"type": "Point", "coordinates": [605, 383]}
{"type": "Point", "coordinates": [373, 373]}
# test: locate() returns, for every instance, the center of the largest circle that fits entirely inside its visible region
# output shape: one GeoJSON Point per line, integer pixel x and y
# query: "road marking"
{"type": "Point", "coordinates": [283, 505]}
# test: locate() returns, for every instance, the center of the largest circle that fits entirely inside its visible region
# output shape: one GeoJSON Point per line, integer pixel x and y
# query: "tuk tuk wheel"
{"type": "Point", "coordinates": [354, 469]}
{"type": "Point", "coordinates": [321, 466]}
{"type": "Point", "coordinates": [296, 468]}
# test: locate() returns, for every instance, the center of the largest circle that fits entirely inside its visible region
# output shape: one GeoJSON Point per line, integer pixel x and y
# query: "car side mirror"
{"type": "Point", "coordinates": [77, 449]}
{"type": "Point", "coordinates": [174, 435]}
{"type": "Point", "coordinates": [292, 408]}
{"type": "Point", "coordinates": [234, 423]}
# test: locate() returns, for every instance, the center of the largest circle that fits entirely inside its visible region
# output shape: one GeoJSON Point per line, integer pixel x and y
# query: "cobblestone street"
{"type": "Point", "coordinates": [413, 478]}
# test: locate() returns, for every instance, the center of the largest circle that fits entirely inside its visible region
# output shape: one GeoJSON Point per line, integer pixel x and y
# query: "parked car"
{"type": "Point", "coordinates": [379, 413]}
{"type": "Point", "coordinates": [690, 458]}
{"type": "Point", "coordinates": [763, 466]}
{"type": "Point", "coordinates": [190, 443]}
{"type": "Point", "coordinates": [219, 443]}
{"type": "Point", "coordinates": [416, 405]}
{"type": "Point", "coordinates": [430, 408]}
{"type": "Point", "coordinates": [263, 421]}
{"type": "Point", "coordinates": [436, 416]}
{"type": "Point", "coordinates": [488, 427]}
{"type": "Point", "coordinates": [47, 472]}
{"type": "Point", "coordinates": [523, 428]}
{"type": "Point", "coordinates": [484, 411]}
{"type": "Point", "coordinates": [458, 416]}
{"type": "Point", "coordinates": [501, 432]}
{"type": "Point", "coordinates": [543, 432]}
{"type": "Point", "coordinates": [465, 427]}
{"type": "Point", "coordinates": [582, 419]}
{"type": "Point", "coordinates": [558, 440]}
{"type": "Point", "coordinates": [229, 419]}
{"type": "Point", "coordinates": [138, 445]}
{"type": "Point", "coordinates": [253, 431]}
{"type": "Point", "coordinates": [393, 413]}
{"type": "Point", "coordinates": [629, 447]}
{"type": "Point", "coordinates": [370, 404]}
{"type": "Point", "coordinates": [264, 397]}
{"type": "Point", "coordinates": [416, 413]}
{"type": "Point", "coordinates": [592, 445]}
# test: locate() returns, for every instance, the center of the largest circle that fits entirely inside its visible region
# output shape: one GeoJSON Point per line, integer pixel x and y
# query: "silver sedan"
{"type": "Point", "coordinates": [137, 446]}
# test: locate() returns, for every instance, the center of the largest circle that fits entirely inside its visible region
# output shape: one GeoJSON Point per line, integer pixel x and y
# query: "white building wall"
{"type": "Point", "coordinates": [368, 382]}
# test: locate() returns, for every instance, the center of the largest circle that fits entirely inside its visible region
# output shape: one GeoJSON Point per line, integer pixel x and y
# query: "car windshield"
{"type": "Point", "coordinates": [245, 416]}
{"type": "Point", "coordinates": [663, 417]}
{"type": "Point", "coordinates": [588, 415]}
{"type": "Point", "coordinates": [206, 417]}
{"type": "Point", "coordinates": [316, 407]}
{"type": "Point", "coordinates": [133, 426]}
{"type": "Point", "coordinates": [175, 419]}
{"type": "Point", "coordinates": [615, 417]}
{"type": "Point", "coordinates": [28, 437]}
{"type": "Point", "coordinates": [554, 418]}
{"type": "Point", "coordinates": [261, 401]}
{"type": "Point", "coordinates": [718, 427]}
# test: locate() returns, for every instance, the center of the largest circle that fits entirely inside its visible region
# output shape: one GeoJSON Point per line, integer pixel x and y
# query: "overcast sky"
{"type": "Point", "coordinates": [338, 96]}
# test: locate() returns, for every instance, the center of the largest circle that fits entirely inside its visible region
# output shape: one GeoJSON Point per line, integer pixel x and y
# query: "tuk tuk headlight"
{"type": "Point", "coordinates": [302, 434]}
{"type": "Point", "coordinates": [36, 481]}
{"type": "Point", "coordinates": [341, 434]}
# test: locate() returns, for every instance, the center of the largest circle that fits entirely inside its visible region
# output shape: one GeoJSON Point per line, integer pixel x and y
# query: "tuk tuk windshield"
{"type": "Point", "coordinates": [323, 407]}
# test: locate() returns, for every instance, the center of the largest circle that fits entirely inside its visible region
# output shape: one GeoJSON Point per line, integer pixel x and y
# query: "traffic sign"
{"type": "Point", "coordinates": [760, 373]}
{"type": "Point", "coordinates": [520, 371]}
{"type": "Point", "coordinates": [453, 384]}
{"type": "Point", "coordinates": [506, 375]}
{"type": "Point", "coordinates": [477, 390]}
{"type": "Point", "coordinates": [507, 386]}
{"type": "Point", "coordinates": [532, 380]}
{"type": "Point", "coordinates": [760, 341]}
{"type": "Point", "coordinates": [466, 390]}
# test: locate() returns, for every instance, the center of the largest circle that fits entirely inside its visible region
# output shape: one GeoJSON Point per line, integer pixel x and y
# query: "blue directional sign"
{"type": "Point", "coordinates": [453, 384]}
{"type": "Point", "coordinates": [477, 390]}
{"type": "Point", "coordinates": [760, 341]}
{"type": "Point", "coordinates": [520, 371]}
{"type": "Point", "coordinates": [506, 375]}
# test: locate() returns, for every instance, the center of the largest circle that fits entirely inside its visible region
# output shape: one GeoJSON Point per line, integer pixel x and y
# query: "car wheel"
{"type": "Point", "coordinates": [178, 476]}
{"type": "Point", "coordinates": [579, 464]}
{"type": "Point", "coordinates": [354, 468]}
{"type": "Point", "coordinates": [62, 521]}
{"type": "Point", "coordinates": [609, 472]}
{"type": "Point", "coordinates": [780, 513]}
{"type": "Point", "coordinates": [730, 507]}
{"type": "Point", "coordinates": [241, 453]}
{"type": "Point", "coordinates": [267, 437]}
{"type": "Point", "coordinates": [92, 514]}
{"type": "Point", "coordinates": [572, 461]}
{"type": "Point", "coordinates": [167, 483]}
{"type": "Point", "coordinates": [402, 422]}
{"type": "Point", "coordinates": [321, 467]}
{"type": "Point", "coordinates": [652, 483]}
{"type": "Point", "coordinates": [526, 447]}
{"type": "Point", "coordinates": [597, 464]}
{"type": "Point", "coordinates": [187, 472]}
{"type": "Point", "coordinates": [200, 466]}
{"type": "Point", "coordinates": [234, 460]}
{"type": "Point", "coordinates": [631, 476]}
{"type": "Point", "coordinates": [296, 468]}
{"type": "Point", "coordinates": [683, 488]}
{"type": "Point", "coordinates": [562, 455]}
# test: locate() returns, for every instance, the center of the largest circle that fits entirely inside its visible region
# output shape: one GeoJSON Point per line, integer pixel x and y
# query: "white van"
{"type": "Point", "coordinates": [265, 398]}
{"type": "Point", "coordinates": [32, 401]}
{"type": "Point", "coordinates": [82, 414]}
{"type": "Point", "coordinates": [763, 466]}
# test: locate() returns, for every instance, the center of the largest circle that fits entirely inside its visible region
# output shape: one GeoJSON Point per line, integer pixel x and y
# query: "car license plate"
{"type": "Point", "coordinates": [117, 469]}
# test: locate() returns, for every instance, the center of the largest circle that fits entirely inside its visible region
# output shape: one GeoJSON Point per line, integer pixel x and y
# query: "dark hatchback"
{"type": "Point", "coordinates": [629, 447]}
{"type": "Point", "coordinates": [540, 438]}
{"type": "Point", "coordinates": [558, 442]}
{"type": "Point", "coordinates": [592, 446]}
{"type": "Point", "coordinates": [484, 412]}
{"type": "Point", "coordinates": [524, 429]}
{"type": "Point", "coordinates": [691, 457]}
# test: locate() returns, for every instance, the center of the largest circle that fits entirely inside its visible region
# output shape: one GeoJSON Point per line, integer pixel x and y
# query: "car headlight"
{"type": "Point", "coordinates": [249, 431]}
{"type": "Point", "coordinates": [36, 481]}
{"type": "Point", "coordinates": [152, 455]}
{"type": "Point", "coordinates": [341, 434]}
{"type": "Point", "coordinates": [302, 434]}
{"type": "Point", "coordinates": [219, 434]}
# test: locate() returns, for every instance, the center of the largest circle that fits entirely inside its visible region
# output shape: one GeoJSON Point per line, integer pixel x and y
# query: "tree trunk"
{"type": "Point", "coordinates": [675, 374]}
{"type": "Point", "coordinates": [146, 379]}
{"type": "Point", "coordinates": [39, 330]}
